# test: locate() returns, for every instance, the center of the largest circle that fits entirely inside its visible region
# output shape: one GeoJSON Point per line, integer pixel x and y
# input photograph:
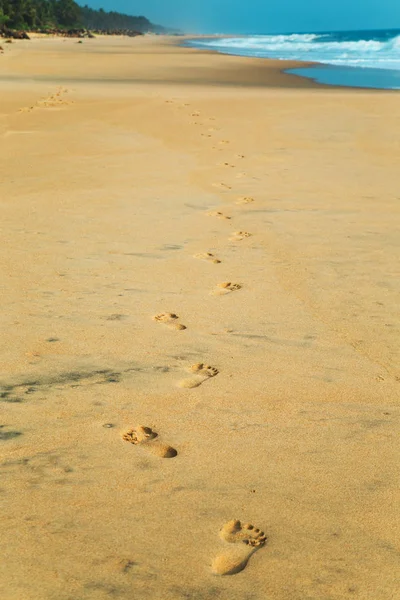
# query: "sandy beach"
{"type": "Point", "coordinates": [200, 327]}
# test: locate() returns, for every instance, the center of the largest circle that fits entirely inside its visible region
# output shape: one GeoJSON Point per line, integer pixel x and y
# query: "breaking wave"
{"type": "Point", "coordinates": [377, 50]}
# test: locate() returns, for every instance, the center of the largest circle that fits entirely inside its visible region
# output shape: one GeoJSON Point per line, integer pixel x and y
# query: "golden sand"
{"type": "Point", "coordinates": [267, 372]}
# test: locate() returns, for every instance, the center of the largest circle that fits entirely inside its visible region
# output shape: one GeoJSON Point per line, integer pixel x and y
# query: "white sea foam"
{"type": "Point", "coordinates": [314, 48]}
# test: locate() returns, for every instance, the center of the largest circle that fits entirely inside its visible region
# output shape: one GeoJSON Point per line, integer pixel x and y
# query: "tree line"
{"type": "Point", "coordinates": [102, 20]}
{"type": "Point", "coordinates": [42, 15]}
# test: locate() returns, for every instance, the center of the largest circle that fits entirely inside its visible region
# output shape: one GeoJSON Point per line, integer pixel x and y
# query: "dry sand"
{"type": "Point", "coordinates": [206, 247]}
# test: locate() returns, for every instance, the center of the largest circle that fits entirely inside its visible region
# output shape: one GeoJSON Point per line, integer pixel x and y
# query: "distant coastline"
{"type": "Point", "coordinates": [66, 17]}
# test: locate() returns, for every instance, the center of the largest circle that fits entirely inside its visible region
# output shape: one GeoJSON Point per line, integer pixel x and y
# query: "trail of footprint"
{"type": "Point", "coordinates": [218, 214]}
{"type": "Point", "coordinates": [208, 256]}
{"type": "Point", "coordinates": [148, 439]}
{"type": "Point", "coordinates": [169, 319]}
{"type": "Point", "coordinates": [226, 288]}
{"type": "Point", "coordinates": [55, 100]}
{"type": "Point", "coordinates": [244, 200]}
{"type": "Point", "coordinates": [240, 235]}
{"type": "Point", "coordinates": [200, 374]}
{"type": "Point", "coordinates": [233, 560]}
{"type": "Point", "coordinates": [224, 186]}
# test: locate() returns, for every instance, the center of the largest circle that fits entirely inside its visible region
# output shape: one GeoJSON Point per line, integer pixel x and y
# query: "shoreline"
{"type": "Point", "coordinates": [248, 72]}
{"type": "Point", "coordinates": [299, 65]}
{"type": "Point", "coordinates": [199, 338]}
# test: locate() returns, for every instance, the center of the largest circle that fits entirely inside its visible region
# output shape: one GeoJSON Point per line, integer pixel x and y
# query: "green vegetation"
{"type": "Point", "coordinates": [45, 15]}
{"type": "Point", "coordinates": [39, 14]}
{"type": "Point", "coordinates": [102, 20]}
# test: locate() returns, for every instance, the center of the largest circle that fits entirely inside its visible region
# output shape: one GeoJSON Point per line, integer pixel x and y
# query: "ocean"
{"type": "Point", "coordinates": [367, 59]}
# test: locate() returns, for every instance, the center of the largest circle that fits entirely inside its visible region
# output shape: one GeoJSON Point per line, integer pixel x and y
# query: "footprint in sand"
{"type": "Point", "coordinates": [148, 439]}
{"type": "Point", "coordinates": [53, 101]}
{"type": "Point", "coordinates": [208, 256]}
{"type": "Point", "coordinates": [200, 374]}
{"type": "Point", "coordinates": [218, 214]}
{"type": "Point", "coordinates": [234, 559]}
{"type": "Point", "coordinates": [240, 235]}
{"type": "Point", "coordinates": [225, 164]}
{"type": "Point", "coordinates": [244, 200]}
{"type": "Point", "coordinates": [224, 186]}
{"type": "Point", "coordinates": [226, 288]}
{"type": "Point", "coordinates": [169, 319]}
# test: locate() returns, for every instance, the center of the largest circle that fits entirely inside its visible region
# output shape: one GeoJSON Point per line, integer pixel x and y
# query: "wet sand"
{"type": "Point", "coordinates": [200, 277]}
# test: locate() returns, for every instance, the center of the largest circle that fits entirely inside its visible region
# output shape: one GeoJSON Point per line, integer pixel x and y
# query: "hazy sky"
{"type": "Point", "coordinates": [261, 16]}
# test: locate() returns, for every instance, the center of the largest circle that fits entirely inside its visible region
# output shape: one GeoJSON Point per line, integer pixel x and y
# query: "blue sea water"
{"type": "Point", "coordinates": [367, 59]}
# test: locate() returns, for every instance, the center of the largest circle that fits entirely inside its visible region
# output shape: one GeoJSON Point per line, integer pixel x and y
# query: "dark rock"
{"type": "Point", "coordinates": [127, 32]}
{"type": "Point", "coordinates": [14, 34]}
